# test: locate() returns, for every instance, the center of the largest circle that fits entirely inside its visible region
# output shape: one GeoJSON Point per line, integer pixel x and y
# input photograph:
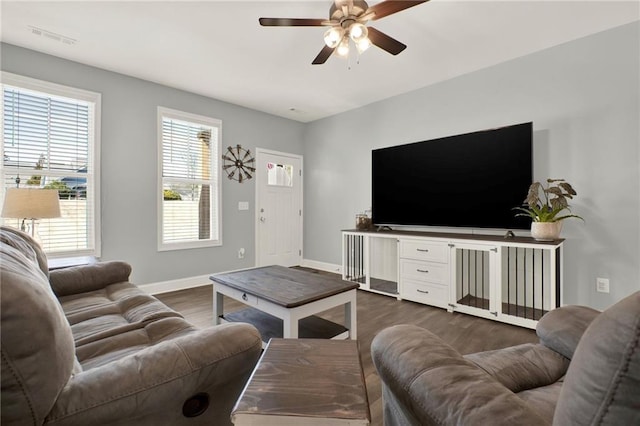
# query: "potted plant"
{"type": "Point", "coordinates": [544, 206]}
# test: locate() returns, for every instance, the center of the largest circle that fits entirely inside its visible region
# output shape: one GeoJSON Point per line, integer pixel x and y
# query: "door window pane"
{"type": "Point", "coordinates": [279, 174]}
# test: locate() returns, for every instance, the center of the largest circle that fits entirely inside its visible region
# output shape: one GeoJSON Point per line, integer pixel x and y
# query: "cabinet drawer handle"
{"type": "Point", "coordinates": [244, 297]}
{"type": "Point", "coordinates": [422, 291]}
{"type": "Point", "coordinates": [424, 250]}
{"type": "Point", "coordinates": [423, 270]}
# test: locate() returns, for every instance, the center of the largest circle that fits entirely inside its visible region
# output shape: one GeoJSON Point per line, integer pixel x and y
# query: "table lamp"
{"type": "Point", "coordinates": [29, 203]}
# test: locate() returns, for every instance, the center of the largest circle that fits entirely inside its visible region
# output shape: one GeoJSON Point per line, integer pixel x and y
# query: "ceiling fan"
{"type": "Point", "coordinates": [347, 21]}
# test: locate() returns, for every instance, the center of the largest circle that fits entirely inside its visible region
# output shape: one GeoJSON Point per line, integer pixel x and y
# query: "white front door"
{"type": "Point", "coordinates": [278, 208]}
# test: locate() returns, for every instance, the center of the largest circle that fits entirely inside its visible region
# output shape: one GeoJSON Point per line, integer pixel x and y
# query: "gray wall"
{"type": "Point", "coordinates": [129, 164]}
{"type": "Point", "coordinates": [583, 99]}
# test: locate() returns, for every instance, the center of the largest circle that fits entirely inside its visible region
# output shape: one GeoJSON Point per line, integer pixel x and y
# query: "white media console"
{"type": "Point", "coordinates": [514, 280]}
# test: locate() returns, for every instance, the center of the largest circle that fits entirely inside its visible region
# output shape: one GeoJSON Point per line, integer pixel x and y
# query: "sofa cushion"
{"type": "Point", "coordinates": [601, 385]}
{"type": "Point", "coordinates": [115, 309]}
{"type": "Point", "coordinates": [139, 337]}
{"type": "Point", "coordinates": [543, 399]}
{"type": "Point", "coordinates": [25, 245]}
{"type": "Point", "coordinates": [37, 344]}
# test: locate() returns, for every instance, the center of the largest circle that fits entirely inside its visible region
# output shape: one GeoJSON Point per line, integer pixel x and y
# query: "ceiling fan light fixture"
{"type": "Point", "coordinates": [348, 23]}
{"type": "Point", "coordinates": [333, 36]}
{"type": "Point", "coordinates": [363, 45]}
{"type": "Point", "coordinates": [343, 47]}
{"type": "Point", "coordinates": [358, 32]}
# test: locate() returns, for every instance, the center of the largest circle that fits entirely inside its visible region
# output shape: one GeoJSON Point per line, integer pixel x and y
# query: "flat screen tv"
{"type": "Point", "coordinates": [473, 180]}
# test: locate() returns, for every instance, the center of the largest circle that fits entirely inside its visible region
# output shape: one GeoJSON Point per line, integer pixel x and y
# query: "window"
{"type": "Point", "coordinates": [279, 174]}
{"type": "Point", "coordinates": [189, 193]}
{"type": "Point", "coordinates": [50, 139]}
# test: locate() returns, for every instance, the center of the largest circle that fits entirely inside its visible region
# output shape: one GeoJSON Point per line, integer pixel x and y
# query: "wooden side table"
{"type": "Point", "coordinates": [302, 382]}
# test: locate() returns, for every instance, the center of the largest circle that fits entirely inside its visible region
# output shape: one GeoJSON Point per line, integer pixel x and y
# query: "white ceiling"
{"type": "Point", "coordinates": [217, 48]}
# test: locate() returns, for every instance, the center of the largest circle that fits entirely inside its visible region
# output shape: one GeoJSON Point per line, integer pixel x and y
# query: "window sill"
{"type": "Point", "coordinates": [68, 262]}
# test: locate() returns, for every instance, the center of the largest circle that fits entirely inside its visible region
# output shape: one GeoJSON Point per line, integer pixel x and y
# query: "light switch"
{"type": "Point", "coordinates": [602, 285]}
{"type": "Point", "coordinates": [243, 205]}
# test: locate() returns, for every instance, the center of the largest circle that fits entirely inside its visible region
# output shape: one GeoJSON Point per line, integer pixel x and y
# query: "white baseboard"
{"type": "Point", "coordinates": [174, 285]}
{"type": "Point", "coordinates": [322, 266]}
{"type": "Point", "coordinates": [192, 282]}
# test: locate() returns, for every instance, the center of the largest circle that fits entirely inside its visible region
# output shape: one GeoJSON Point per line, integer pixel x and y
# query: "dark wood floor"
{"type": "Point", "coordinates": [465, 333]}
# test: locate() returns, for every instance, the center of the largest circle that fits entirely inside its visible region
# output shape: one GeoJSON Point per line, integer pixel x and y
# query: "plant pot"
{"type": "Point", "coordinates": [546, 231]}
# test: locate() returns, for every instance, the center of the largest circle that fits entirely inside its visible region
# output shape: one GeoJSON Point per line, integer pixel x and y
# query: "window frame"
{"type": "Point", "coordinates": [215, 180]}
{"type": "Point", "coordinates": [21, 82]}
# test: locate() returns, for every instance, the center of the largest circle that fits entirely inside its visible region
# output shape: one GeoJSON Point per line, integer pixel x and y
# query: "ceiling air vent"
{"type": "Point", "coordinates": [51, 36]}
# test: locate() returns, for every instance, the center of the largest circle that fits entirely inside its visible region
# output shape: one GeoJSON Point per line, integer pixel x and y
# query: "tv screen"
{"type": "Point", "coordinates": [472, 180]}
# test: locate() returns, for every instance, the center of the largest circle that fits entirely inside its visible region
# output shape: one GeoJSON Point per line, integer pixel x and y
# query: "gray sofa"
{"type": "Point", "coordinates": [584, 371]}
{"type": "Point", "coordinates": [84, 346]}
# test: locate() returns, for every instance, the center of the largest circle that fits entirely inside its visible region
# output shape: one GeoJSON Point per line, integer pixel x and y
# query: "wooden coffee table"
{"type": "Point", "coordinates": [282, 302]}
{"type": "Point", "coordinates": [302, 382]}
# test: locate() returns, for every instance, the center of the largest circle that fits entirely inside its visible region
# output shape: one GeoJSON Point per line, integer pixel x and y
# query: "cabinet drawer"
{"type": "Point", "coordinates": [246, 298]}
{"type": "Point", "coordinates": [424, 271]}
{"type": "Point", "coordinates": [432, 251]}
{"type": "Point", "coordinates": [430, 294]}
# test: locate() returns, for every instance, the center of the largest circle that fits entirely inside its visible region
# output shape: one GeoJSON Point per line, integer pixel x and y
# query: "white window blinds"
{"type": "Point", "coordinates": [48, 141]}
{"type": "Point", "coordinates": [190, 192]}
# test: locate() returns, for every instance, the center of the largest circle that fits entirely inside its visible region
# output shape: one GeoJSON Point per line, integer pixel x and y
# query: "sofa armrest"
{"type": "Point", "coordinates": [437, 386]}
{"type": "Point", "coordinates": [522, 367]}
{"type": "Point", "coordinates": [84, 278]}
{"type": "Point", "coordinates": [152, 385]}
{"type": "Point", "coordinates": [562, 328]}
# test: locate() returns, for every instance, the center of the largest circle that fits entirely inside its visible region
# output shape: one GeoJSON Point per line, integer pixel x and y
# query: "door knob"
{"type": "Point", "coordinates": [262, 219]}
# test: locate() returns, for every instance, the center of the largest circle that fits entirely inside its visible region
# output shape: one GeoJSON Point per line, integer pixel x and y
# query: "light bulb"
{"type": "Point", "coordinates": [363, 45]}
{"type": "Point", "coordinates": [358, 32]}
{"type": "Point", "coordinates": [333, 36]}
{"type": "Point", "coordinates": [343, 48]}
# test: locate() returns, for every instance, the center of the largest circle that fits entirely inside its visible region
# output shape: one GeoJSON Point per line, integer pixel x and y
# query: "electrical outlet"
{"type": "Point", "coordinates": [241, 253]}
{"type": "Point", "coordinates": [602, 285]}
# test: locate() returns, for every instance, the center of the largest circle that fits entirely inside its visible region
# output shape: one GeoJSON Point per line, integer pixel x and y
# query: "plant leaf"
{"type": "Point", "coordinates": [568, 188]}
{"type": "Point", "coordinates": [568, 216]}
{"type": "Point", "coordinates": [559, 203]}
{"type": "Point", "coordinates": [554, 190]}
{"type": "Point", "coordinates": [525, 212]}
{"type": "Point", "coordinates": [535, 187]}
{"type": "Point", "coordinates": [532, 196]}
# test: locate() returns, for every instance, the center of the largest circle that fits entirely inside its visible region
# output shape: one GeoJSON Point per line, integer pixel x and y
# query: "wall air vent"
{"type": "Point", "coordinates": [51, 36]}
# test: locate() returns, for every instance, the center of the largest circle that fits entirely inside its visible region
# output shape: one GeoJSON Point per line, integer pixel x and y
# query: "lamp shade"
{"type": "Point", "coordinates": [333, 36]}
{"type": "Point", "coordinates": [31, 203]}
{"type": "Point", "coordinates": [358, 32]}
{"type": "Point", "coordinates": [343, 47]}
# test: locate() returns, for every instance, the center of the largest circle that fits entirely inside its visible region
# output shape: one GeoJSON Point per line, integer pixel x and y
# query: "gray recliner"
{"type": "Point", "coordinates": [584, 371]}
{"type": "Point", "coordinates": [84, 346]}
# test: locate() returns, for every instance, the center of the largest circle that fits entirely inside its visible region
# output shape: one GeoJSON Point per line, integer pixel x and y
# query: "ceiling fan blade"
{"type": "Point", "coordinates": [292, 22]}
{"type": "Point", "coordinates": [385, 42]}
{"type": "Point", "coordinates": [390, 7]}
{"type": "Point", "coordinates": [323, 55]}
